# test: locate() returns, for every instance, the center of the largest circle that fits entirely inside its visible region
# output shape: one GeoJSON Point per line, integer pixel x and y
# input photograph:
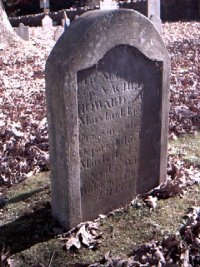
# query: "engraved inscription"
{"type": "Point", "coordinates": [111, 97]}
{"type": "Point", "coordinates": [109, 122]}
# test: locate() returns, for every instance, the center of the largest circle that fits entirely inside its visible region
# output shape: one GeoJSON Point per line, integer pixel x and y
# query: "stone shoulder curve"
{"type": "Point", "coordinates": [89, 37]}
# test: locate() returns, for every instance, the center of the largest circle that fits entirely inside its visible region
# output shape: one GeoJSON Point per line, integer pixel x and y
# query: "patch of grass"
{"type": "Point", "coordinates": [26, 217]}
{"type": "Point", "coordinates": [21, 198]}
{"type": "Point", "coordinates": [121, 233]}
{"type": "Point", "coordinates": [31, 231]}
{"type": "Point", "coordinates": [188, 146]}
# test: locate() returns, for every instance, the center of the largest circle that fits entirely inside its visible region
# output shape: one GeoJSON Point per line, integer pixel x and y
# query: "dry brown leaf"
{"type": "Point", "coordinates": [85, 234]}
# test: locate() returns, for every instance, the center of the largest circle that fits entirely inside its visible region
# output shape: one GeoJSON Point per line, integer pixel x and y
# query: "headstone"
{"type": "Point", "coordinates": [58, 32]}
{"type": "Point", "coordinates": [157, 23]}
{"type": "Point", "coordinates": [23, 32]}
{"type": "Point", "coordinates": [153, 8]}
{"type": "Point", "coordinates": [65, 21]}
{"type": "Point", "coordinates": [47, 23]}
{"type": "Point", "coordinates": [92, 3]}
{"type": "Point", "coordinates": [154, 14]}
{"type": "Point", "coordinates": [108, 4]}
{"type": "Point", "coordinates": [44, 4]}
{"type": "Point", "coordinates": [107, 92]}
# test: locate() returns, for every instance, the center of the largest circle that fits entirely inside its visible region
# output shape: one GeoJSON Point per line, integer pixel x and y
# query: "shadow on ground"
{"type": "Point", "coordinates": [24, 196]}
{"type": "Point", "coordinates": [29, 229]}
{"type": "Point", "coordinates": [25, 215]}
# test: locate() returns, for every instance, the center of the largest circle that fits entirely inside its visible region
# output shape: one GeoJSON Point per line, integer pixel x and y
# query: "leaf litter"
{"type": "Point", "coordinates": [181, 250]}
{"type": "Point", "coordinates": [24, 148]}
{"type": "Point", "coordinates": [5, 260]}
{"type": "Point", "coordinates": [24, 137]}
{"type": "Point", "coordinates": [85, 234]}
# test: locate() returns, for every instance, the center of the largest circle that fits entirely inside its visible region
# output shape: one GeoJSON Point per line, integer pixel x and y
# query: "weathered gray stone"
{"type": "Point", "coordinates": [153, 8]}
{"type": "Point", "coordinates": [47, 23]}
{"type": "Point", "coordinates": [107, 89]}
{"type": "Point", "coordinates": [157, 23]}
{"type": "Point", "coordinates": [154, 14]}
{"type": "Point", "coordinates": [108, 4]}
{"type": "Point", "coordinates": [44, 4]}
{"type": "Point", "coordinates": [66, 20]}
{"type": "Point", "coordinates": [58, 32]}
{"type": "Point", "coordinates": [23, 32]}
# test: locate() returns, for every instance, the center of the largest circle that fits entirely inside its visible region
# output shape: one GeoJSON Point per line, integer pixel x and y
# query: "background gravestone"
{"type": "Point", "coordinates": [108, 4]}
{"type": "Point", "coordinates": [23, 32]}
{"type": "Point", "coordinates": [47, 23]}
{"type": "Point", "coordinates": [58, 32]}
{"type": "Point", "coordinates": [157, 23]}
{"type": "Point", "coordinates": [107, 98]}
{"type": "Point", "coordinates": [153, 10]}
{"type": "Point", "coordinates": [44, 4]}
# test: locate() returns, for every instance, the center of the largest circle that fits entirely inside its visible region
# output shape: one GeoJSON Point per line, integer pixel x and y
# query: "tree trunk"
{"type": "Point", "coordinates": [8, 37]}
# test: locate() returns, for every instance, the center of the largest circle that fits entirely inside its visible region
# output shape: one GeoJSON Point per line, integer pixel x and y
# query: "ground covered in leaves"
{"type": "Point", "coordinates": [23, 123]}
{"type": "Point", "coordinates": [26, 225]}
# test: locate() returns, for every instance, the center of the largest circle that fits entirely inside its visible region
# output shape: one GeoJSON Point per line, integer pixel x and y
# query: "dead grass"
{"type": "Point", "coordinates": [188, 146]}
{"type": "Point", "coordinates": [121, 233]}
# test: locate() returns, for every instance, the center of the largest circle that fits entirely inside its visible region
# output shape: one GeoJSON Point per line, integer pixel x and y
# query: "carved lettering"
{"type": "Point", "coordinates": [109, 122]}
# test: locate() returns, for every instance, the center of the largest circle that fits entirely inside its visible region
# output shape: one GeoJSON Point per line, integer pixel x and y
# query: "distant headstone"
{"type": "Point", "coordinates": [47, 23]}
{"type": "Point", "coordinates": [108, 4]}
{"type": "Point", "coordinates": [157, 23]}
{"type": "Point", "coordinates": [65, 21]}
{"type": "Point", "coordinates": [92, 3]}
{"type": "Point", "coordinates": [23, 32]}
{"type": "Point", "coordinates": [107, 93]}
{"type": "Point", "coordinates": [58, 32]}
{"type": "Point", "coordinates": [153, 8]}
{"type": "Point", "coordinates": [44, 4]}
{"type": "Point", "coordinates": [154, 13]}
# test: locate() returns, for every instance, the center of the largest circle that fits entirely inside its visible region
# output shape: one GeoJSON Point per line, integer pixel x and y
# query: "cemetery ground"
{"type": "Point", "coordinates": [26, 226]}
{"type": "Point", "coordinates": [33, 237]}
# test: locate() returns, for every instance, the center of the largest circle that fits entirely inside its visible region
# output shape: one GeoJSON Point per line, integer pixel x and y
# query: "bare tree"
{"type": "Point", "coordinates": [7, 34]}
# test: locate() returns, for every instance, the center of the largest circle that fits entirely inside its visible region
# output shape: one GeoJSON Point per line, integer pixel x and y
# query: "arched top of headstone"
{"type": "Point", "coordinates": [94, 33]}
